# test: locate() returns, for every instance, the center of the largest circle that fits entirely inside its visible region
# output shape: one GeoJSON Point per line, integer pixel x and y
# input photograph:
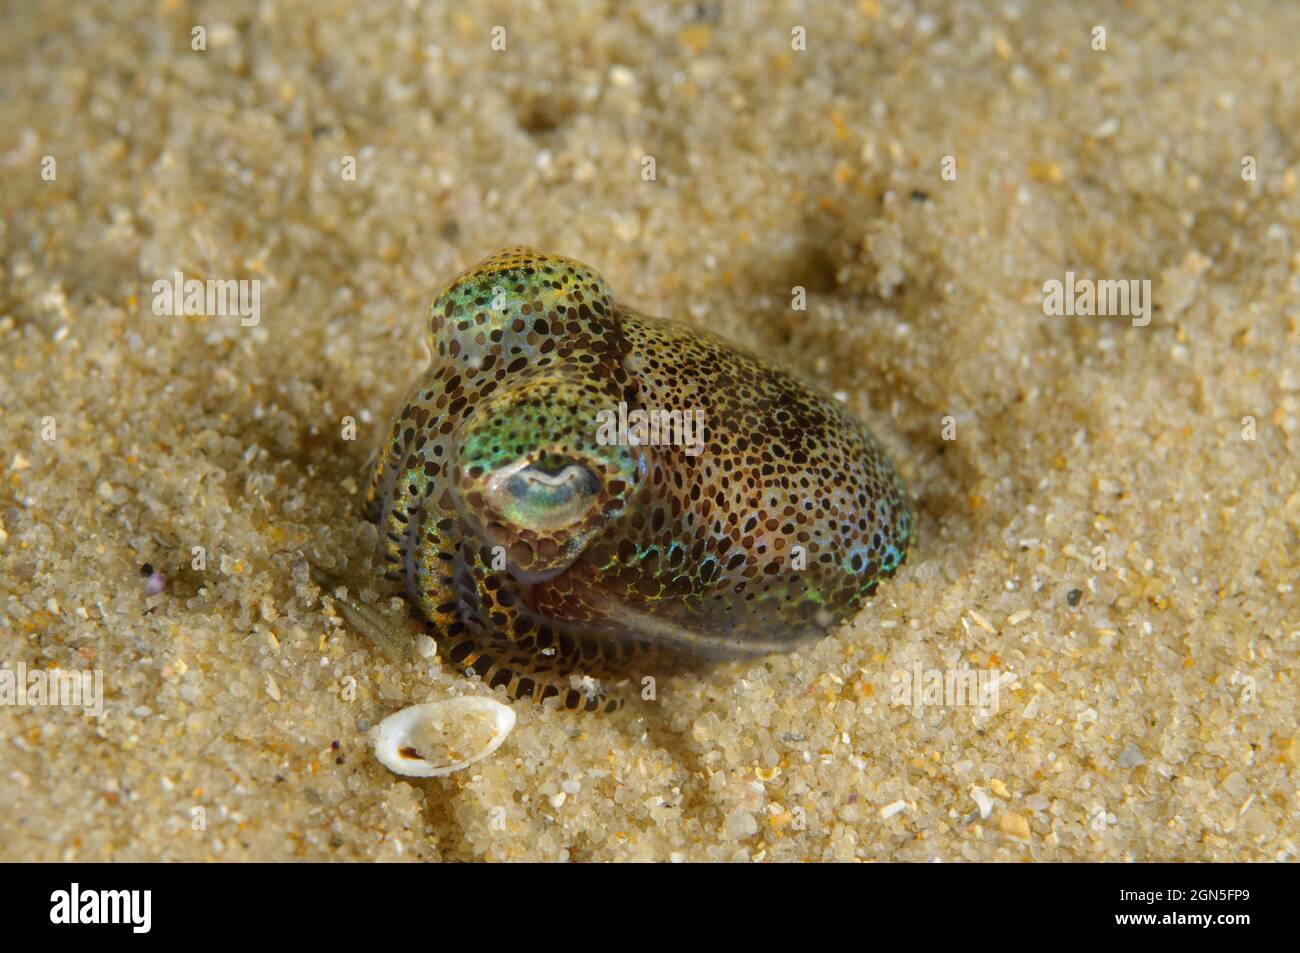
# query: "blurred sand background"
{"type": "Point", "coordinates": [1148, 707]}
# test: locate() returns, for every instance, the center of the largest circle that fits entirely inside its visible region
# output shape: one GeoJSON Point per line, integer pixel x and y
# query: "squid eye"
{"type": "Point", "coordinates": [544, 497]}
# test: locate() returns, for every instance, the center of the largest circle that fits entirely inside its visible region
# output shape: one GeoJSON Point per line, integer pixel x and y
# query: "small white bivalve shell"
{"type": "Point", "coordinates": [439, 738]}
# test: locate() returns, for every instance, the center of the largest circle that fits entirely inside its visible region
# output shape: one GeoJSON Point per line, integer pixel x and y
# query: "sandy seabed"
{"type": "Point", "coordinates": [1108, 511]}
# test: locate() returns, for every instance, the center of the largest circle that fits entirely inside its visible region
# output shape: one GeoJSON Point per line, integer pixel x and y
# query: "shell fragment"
{"type": "Point", "coordinates": [440, 738]}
